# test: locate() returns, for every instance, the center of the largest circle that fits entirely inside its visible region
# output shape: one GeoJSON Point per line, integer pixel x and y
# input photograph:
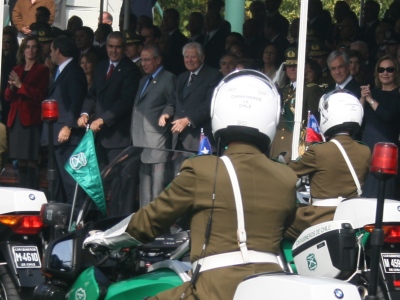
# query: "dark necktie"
{"type": "Point", "coordinates": [110, 70]}
{"type": "Point", "coordinates": [146, 85]}
{"type": "Point", "coordinates": [192, 76]}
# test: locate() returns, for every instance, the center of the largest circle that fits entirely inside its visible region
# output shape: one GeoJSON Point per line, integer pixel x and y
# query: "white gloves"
{"type": "Point", "coordinates": [113, 238]}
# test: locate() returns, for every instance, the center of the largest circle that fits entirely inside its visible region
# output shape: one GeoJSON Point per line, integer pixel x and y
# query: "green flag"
{"type": "Point", "coordinates": [83, 167]}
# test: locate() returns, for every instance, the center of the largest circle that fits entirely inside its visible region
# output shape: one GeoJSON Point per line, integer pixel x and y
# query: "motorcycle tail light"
{"type": "Point", "coordinates": [396, 283]}
{"type": "Point", "coordinates": [22, 224]}
{"type": "Point", "coordinates": [391, 233]}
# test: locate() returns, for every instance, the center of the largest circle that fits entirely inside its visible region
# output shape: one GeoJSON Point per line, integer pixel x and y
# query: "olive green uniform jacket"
{"type": "Point", "coordinates": [330, 177]}
{"type": "Point", "coordinates": [268, 193]}
{"type": "Point", "coordinates": [284, 132]}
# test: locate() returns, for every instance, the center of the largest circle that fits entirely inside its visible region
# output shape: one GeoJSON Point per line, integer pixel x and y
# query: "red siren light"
{"type": "Point", "coordinates": [49, 110]}
{"type": "Point", "coordinates": [384, 159]}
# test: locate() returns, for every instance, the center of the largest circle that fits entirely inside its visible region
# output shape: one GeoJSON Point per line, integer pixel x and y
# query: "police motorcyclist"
{"type": "Point", "coordinates": [331, 179]}
{"type": "Point", "coordinates": [245, 110]}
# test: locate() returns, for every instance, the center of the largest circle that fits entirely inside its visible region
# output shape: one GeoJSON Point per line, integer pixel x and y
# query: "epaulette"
{"type": "Point", "coordinates": [311, 84]}
{"type": "Point", "coordinates": [361, 142]}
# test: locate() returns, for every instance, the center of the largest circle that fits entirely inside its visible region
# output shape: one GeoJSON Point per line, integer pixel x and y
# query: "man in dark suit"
{"type": "Point", "coordinates": [194, 91]}
{"type": "Point", "coordinates": [111, 99]}
{"type": "Point", "coordinates": [150, 129]}
{"type": "Point", "coordinates": [214, 40]}
{"type": "Point", "coordinates": [338, 62]}
{"type": "Point", "coordinates": [84, 38]}
{"type": "Point", "coordinates": [173, 55]}
{"type": "Point", "coordinates": [274, 33]}
{"type": "Point", "coordinates": [68, 89]}
{"type": "Point", "coordinates": [195, 26]}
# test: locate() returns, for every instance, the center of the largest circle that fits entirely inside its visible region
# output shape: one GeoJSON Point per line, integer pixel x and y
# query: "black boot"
{"type": "Point", "coordinates": [33, 178]}
{"type": "Point", "coordinates": [23, 176]}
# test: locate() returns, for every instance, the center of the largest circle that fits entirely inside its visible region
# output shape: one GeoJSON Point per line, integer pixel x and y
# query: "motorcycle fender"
{"type": "Point", "coordinates": [146, 285]}
{"type": "Point", "coordinates": [26, 277]}
{"type": "Point", "coordinates": [86, 286]}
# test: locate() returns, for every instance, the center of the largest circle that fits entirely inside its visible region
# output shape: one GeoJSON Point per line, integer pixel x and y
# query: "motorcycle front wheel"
{"type": "Point", "coordinates": [8, 290]}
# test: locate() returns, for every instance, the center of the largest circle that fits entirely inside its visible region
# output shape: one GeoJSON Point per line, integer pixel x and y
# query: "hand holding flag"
{"type": "Point", "coordinates": [84, 168]}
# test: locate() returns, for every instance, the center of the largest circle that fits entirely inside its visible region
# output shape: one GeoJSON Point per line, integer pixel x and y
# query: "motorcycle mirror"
{"type": "Point", "coordinates": [64, 255]}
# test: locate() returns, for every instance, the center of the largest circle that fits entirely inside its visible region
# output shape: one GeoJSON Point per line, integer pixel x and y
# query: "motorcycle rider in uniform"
{"type": "Point", "coordinates": [245, 227]}
{"type": "Point", "coordinates": [331, 179]}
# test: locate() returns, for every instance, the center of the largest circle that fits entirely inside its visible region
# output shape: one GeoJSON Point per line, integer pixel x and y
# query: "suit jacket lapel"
{"type": "Point", "coordinates": [103, 83]}
{"type": "Point", "coordinates": [199, 77]}
{"type": "Point", "coordinates": [60, 77]}
{"type": "Point", "coordinates": [152, 84]}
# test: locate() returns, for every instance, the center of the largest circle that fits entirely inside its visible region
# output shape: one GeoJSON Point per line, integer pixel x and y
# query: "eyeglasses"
{"type": "Point", "coordinates": [147, 59]}
{"type": "Point", "coordinates": [388, 69]}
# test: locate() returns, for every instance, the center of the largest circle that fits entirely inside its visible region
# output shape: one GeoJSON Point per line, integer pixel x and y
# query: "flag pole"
{"type": "Point", "coordinates": [75, 196]}
{"type": "Point", "coordinates": [300, 79]}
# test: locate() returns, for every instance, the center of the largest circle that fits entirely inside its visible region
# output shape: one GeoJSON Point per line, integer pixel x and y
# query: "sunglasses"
{"type": "Point", "coordinates": [388, 69]}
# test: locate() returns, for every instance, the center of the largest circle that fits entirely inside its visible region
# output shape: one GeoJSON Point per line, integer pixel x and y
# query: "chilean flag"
{"type": "Point", "coordinates": [313, 133]}
{"type": "Point", "coordinates": [205, 146]}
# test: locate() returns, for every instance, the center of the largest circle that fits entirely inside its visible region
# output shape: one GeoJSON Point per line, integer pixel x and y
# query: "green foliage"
{"type": "Point", "coordinates": [185, 8]}
{"type": "Point", "coordinates": [289, 8]}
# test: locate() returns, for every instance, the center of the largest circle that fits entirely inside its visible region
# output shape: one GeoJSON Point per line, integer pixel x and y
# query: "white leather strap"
{"type": "Point", "coordinates": [234, 259]}
{"type": "Point", "coordinates": [351, 168]}
{"type": "Point", "coordinates": [327, 202]}
{"type": "Point", "coordinates": [241, 231]}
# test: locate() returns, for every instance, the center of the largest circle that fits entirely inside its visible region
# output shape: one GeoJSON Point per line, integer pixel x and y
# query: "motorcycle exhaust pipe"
{"type": "Point", "coordinates": [363, 291]}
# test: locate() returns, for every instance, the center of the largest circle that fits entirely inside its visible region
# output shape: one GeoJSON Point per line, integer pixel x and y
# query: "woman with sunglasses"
{"type": "Point", "coordinates": [382, 116]}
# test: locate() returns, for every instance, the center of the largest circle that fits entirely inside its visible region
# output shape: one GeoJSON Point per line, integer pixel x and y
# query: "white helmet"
{"type": "Point", "coordinates": [340, 111]}
{"type": "Point", "coordinates": [245, 107]}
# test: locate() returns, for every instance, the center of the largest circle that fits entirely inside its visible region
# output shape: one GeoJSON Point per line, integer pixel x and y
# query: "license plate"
{"type": "Point", "coordinates": [26, 257]}
{"type": "Point", "coordinates": [391, 262]}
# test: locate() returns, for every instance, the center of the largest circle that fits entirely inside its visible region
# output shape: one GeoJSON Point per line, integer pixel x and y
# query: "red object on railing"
{"type": "Point", "coordinates": [49, 110]}
{"type": "Point", "coordinates": [384, 159]}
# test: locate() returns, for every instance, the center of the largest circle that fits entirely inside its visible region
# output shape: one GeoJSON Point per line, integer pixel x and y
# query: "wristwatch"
{"type": "Point", "coordinates": [372, 102]}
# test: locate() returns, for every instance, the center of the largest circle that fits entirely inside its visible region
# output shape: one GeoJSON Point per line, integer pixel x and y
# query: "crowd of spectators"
{"type": "Point", "coordinates": [339, 54]}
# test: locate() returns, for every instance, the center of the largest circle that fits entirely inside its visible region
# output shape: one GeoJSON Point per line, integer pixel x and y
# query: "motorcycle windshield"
{"type": "Point", "coordinates": [126, 178]}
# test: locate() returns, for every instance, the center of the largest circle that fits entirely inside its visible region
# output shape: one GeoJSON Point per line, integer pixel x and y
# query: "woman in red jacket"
{"type": "Point", "coordinates": [28, 85]}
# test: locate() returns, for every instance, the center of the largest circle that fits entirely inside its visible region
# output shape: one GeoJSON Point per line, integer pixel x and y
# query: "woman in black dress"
{"type": "Point", "coordinates": [381, 116]}
{"type": "Point", "coordinates": [27, 88]}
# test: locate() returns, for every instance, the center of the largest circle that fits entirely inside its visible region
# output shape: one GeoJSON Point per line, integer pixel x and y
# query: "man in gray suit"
{"type": "Point", "coordinates": [153, 107]}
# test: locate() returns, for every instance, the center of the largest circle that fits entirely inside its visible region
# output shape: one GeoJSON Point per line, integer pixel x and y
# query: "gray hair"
{"type": "Point", "coordinates": [335, 54]}
{"type": "Point", "coordinates": [194, 45]}
{"type": "Point", "coordinates": [156, 51]}
{"type": "Point", "coordinates": [117, 35]}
